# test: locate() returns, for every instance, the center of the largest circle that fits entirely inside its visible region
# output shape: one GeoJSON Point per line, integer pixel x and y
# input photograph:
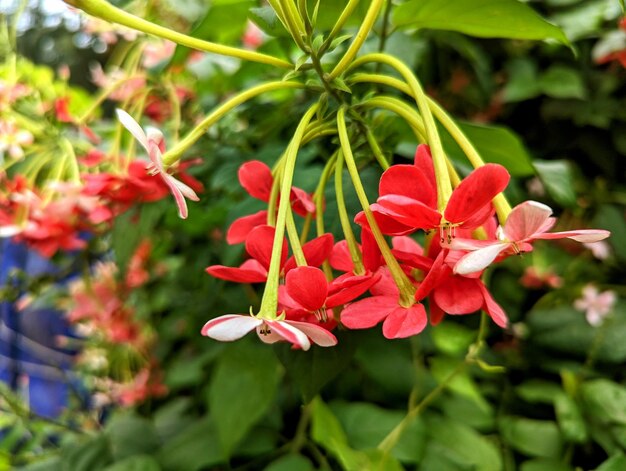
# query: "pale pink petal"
{"type": "Point", "coordinates": [581, 235]}
{"type": "Point", "coordinates": [133, 127]}
{"type": "Point", "coordinates": [319, 335]}
{"type": "Point", "coordinates": [230, 327]}
{"type": "Point", "coordinates": [526, 220]}
{"type": "Point", "coordinates": [186, 190]}
{"type": "Point", "coordinates": [290, 333]}
{"type": "Point", "coordinates": [479, 259]}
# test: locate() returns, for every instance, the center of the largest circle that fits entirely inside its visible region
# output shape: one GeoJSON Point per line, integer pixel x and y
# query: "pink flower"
{"type": "Point", "coordinates": [152, 141]}
{"type": "Point", "coordinates": [13, 139]}
{"type": "Point", "coordinates": [300, 334]}
{"type": "Point", "coordinates": [527, 222]}
{"type": "Point", "coordinates": [597, 306]}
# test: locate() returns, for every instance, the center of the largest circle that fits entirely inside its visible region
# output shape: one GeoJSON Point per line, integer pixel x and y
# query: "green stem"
{"type": "Point", "coordinates": [378, 153]}
{"type": "Point", "coordinates": [355, 253]}
{"type": "Point", "coordinates": [404, 284]}
{"type": "Point", "coordinates": [500, 202]}
{"type": "Point", "coordinates": [295, 25]}
{"type": "Point", "coordinates": [294, 240]}
{"type": "Point", "coordinates": [387, 444]}
{"type": "Point", "coordinates": [318, 198]}
{"type": "Point", "coordinates": [269, 303]}
{"type": "Point", "coordinates": [341, 21]}
{"type": "Point", "coordinates": [444, 188]}
{"type": "Point", "coordinates": [104, 10]}
{"type": "Point", "coordinates": [361, 36]}
{"type": "Point", "coordinates": [175, 153]}
{"type": "Point", "coordinates": [401, 109]}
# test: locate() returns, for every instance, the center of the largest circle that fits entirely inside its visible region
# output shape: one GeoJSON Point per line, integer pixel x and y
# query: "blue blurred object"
{"type": "Point", "coordinates": [31, 362]}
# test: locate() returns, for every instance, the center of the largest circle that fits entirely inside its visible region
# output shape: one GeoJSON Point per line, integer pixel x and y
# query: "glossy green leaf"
{"type": "Point", "coordinates": [605, 400]}
{"type": "Point", "coordinates": [131, 435]}
{"type": "Point", "coordinates": [541, 464]}
{"type": "Point", "coordinates": [291, 462]}
{"type": "Point", "coordinates": [243, 388]}
{"type": "Point", "coordinates": [459, 447]}
{"type": "Point", "coordinates": [90, 455]}
{"type": "Point", "coordinates": [452, 338]}
{"type": "Point", "coordinates": [266, 19]}
{"type": "Point", "coordinates": [313, 369]}
{"type": "Point", "coordinates": [482, 18]}
{"type": "Point", "coordinates": [136, 463]}
{"type": "Point", "coordinates": [569, 419]}
{"type": "Point", "coordinates": [557, 178]}
{"type": "Point", "coordinates": [326, 430]}
{"type": "Point", "coordinates": [196, 447]}
{"type": "Point", "coordinates": [462, 383]}
{"type": "Point", "coordinates": [539, 438]}
{"type": "Point", "coordinates": [495, 144]}
{"type": "Point", "coordinates": [616, 462]}
{"type": "Point", "coordinates": [366, 425]}
{"type": "Point", "coordinates": [562, 82]}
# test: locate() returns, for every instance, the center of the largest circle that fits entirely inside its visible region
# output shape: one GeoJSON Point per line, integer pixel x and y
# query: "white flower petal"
{"type": "Point", "coordinates": [230, 327]}
{"type": "Point", "coordinates": [133, 127]}
{"type": "Point", "coordinates": [479, 259]}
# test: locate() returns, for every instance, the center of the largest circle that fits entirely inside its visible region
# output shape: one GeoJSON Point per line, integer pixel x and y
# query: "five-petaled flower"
{"type": "Point", "coordinates": [527, 222]}
{"type": "Point", "coordinates": [597, 306]}
{"type": "Point", "coordinates": [300, 334]}
{"type": "Point", "coordinates": [152, 140]}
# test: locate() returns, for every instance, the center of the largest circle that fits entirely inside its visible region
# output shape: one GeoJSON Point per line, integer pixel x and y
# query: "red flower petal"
{"type": "Point", "coordinates": [424, 161]}
{"type": "Point", "coordinates": [372, 258]}
{"type": "Point", "coordinates": [241, 227]}
{"type": "Point", "coordinates": [308, 287]}
{"type": "Point", "coordinates": [408, 211]}
{"type": "Point", "coordinates": [405, 322]}
{"type": "Point", "coordinates": [459, 295]}
{"type": "Point", "coordinates": [348, 287]}
{"type": "Point", "coordinates": [475, 191]}
{"type": "Point", "coordinates": [250, 272]}
{"type": "Point", "coordinates": [315, 252]}
{"type": "Point", "coordinates": [493, 308]}
{"type": "Point", "coordinates": [368, 312]}
{"type": "Point", "coordinates": [409, 181]}
{"type": "Point", "coordinates": [256, 178]}
{"type": "Point", "coordinates": [386, 224]}
{"type": "Point", "coordinates": [259, 245]}
{"type": "Point", "coordinates": [340, 258]}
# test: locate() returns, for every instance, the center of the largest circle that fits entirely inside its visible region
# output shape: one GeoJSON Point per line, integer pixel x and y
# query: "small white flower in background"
{"type": "Point", "coordinates": [597, 306]}
{"type": "Point", "coordinates": [13, 139]}
{"type": "Point", "coordinates": [601, 249]}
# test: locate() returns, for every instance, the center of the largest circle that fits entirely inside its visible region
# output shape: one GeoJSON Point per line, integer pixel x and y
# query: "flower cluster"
{"type": "Point", "coordinates": [100, 308]}
{"type": "Point", "coordinates": [362, 285]}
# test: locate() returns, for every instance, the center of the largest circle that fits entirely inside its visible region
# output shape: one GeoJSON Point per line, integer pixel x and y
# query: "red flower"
{"type": "Point", "coordinates": [407, 194]}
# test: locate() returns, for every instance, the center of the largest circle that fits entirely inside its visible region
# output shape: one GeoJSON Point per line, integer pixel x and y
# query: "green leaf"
{"type": "Point", "coordinates": [91, 455]}
{"type": "Point", "coordinates": [327, 432]}
{"type": "Point", "coordinates": [462, 383]}
{"type": "Point", "coordinates": [366, 425]}
{"type": "Point", "coordinates": [522, 81]}
{"type": "Point", "coordinates": [614, 463]}
{"type": "Point", "coordinates": [266, 19]}
{"type": "Point", "coordinates": [482, 18]}
{"type": "Point", "coordinates": [196, 447]}
{"type": "Point", "coordinates": [562, 82]}
{"type": "Point", "coordinates": [541, 464]}
{"type": "Point", "coordinates": [538, 391]}
{"type": "Point", "coordinates": [605, 400]}
{"type": "Point", "coordinates": [496, 144]}
{"type": "Point", "coordinates": [136, 463]}
{"type": "Point", "coordinates": [291, 463]}
{"type": "Point", "coordinates": [611, 218]}
{"type": "Point", "coordinates": [131, 435]}
{"type": "Point", "coordinates": [459, 447]}
{"type": "Point", "coordinates": [313, 369]}
{"type": "Point", "coordinates": [452, 338]}
{"type": "Point", "coordinates": [570, 419]}
{"type": "Point", "coordinates": [532, 437]}
{"type": "Point", "coordinates": [556, 176]}
{"type": "Point", "coordinates": [583, 19]}
{"type": "Point", "coordinates": [243, 388]}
